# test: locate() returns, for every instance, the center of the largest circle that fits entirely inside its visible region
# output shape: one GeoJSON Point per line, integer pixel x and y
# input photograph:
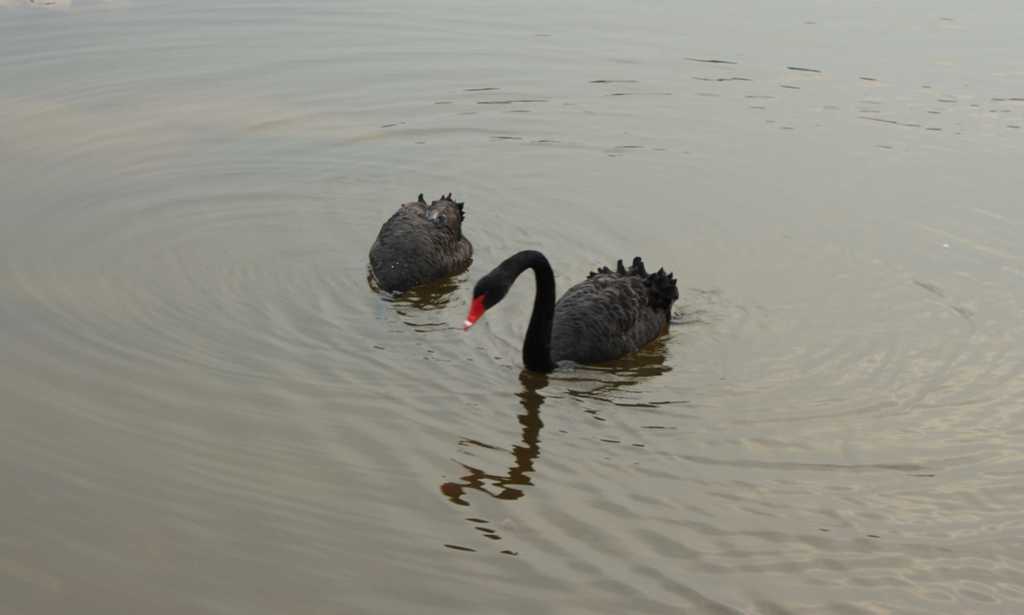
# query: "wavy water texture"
{"type": "Point", "coordinates": [207, 407]}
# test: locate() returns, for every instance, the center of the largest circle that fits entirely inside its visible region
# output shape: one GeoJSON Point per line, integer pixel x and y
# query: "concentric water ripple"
{"type": "Point", "coordinates": [208, 408]}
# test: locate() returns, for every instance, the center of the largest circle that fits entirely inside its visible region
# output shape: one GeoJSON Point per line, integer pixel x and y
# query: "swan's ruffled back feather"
{"type": "Point", "coordinates": [612, 312]}
{"type": "Point", "coordinates": [420, 243]}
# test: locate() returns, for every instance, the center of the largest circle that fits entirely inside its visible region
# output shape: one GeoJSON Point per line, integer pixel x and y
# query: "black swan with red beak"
{"type": "Point", "coordinates": [420, 243]}
{"type": "Point", "coordinates": [610, 314]}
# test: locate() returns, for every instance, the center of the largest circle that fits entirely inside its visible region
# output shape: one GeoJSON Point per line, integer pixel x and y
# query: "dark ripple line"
{"type": "Point", "coordinates": [720, 79]}
{"type": "Point", "coordinates": [511, 101]}
{"type": "Point", "coordinates": [796, 465]}
{"type": "Point", "coordinates": [711, 61]}
{"type": "Point", "coordinates": [893, 122]}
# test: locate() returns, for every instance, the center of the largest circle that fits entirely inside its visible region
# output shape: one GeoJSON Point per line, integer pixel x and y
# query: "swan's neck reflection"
{"type": "Point", "coordinates": [507, 486]}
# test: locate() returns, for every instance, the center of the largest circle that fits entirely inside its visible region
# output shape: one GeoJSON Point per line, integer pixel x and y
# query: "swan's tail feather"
{"type": "Point", "coordinates": [661, 286]}
{"type": "Point", "coordinates": [637, 268]}
{"type": "Point", "coordinates": [662, 289]}
{"type": "Point", "coordinates": [462, 211]}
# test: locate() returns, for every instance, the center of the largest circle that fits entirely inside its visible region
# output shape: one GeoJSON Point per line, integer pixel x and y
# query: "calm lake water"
{"type": "Point", "coordinates": [206, 408]}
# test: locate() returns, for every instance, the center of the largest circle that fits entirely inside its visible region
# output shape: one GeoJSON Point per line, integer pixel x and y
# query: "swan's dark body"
{"type": "Point", "coordinates": [610, 314]}
{"type": "Point", "coordinates": [420, 243]}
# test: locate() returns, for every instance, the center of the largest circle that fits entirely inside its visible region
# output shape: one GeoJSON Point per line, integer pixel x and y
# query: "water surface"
{"type": "Point", "coordinates": [207, 409]}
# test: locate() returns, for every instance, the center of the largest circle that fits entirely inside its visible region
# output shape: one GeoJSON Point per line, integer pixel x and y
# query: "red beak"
{"type": "Point", "coordinates": [476, 310]}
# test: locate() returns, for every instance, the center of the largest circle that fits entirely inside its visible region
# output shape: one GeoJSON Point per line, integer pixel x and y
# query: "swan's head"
{"type": "Point", "coordinates": [486, 294]}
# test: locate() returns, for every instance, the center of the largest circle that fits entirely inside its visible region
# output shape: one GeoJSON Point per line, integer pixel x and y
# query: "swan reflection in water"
{"type": "Point", "coordinates": [506, 487]}
{"type": "Point", "coordinates": [601, 383]}
{"type": "Point", "coordinates": [413, 304]}
{"type": "Point", "coordinates": [606, 383]}
{"type": "Point", "coordinates": [611, 382]}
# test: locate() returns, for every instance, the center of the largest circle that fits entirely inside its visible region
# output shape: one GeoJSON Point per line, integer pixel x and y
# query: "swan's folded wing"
{"type": "Point", "coordinates": [412, 248]}
{"type": "Point", "coordinates": [604, 317]}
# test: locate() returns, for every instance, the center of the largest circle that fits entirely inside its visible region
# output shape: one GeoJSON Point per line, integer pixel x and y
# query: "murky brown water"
{"type": "Point", "coordinates": [206, 409]}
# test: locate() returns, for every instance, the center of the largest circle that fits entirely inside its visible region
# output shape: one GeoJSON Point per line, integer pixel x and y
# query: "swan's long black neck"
{"type": "Point", "coordinates": [537, 345]}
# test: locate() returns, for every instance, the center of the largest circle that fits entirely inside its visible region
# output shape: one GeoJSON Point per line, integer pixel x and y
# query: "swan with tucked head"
{"type": "Point", "coordinates": [420, 243]}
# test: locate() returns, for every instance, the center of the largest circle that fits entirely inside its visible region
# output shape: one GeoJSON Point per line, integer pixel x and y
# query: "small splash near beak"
{"type": "Point", "coordinates": [476, 310]}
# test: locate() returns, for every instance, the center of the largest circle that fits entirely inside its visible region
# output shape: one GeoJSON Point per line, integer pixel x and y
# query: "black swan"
{"type": "Point", "coordinates": [610, 314]}
{"type": "Point", "coordinates": [420, 243]}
